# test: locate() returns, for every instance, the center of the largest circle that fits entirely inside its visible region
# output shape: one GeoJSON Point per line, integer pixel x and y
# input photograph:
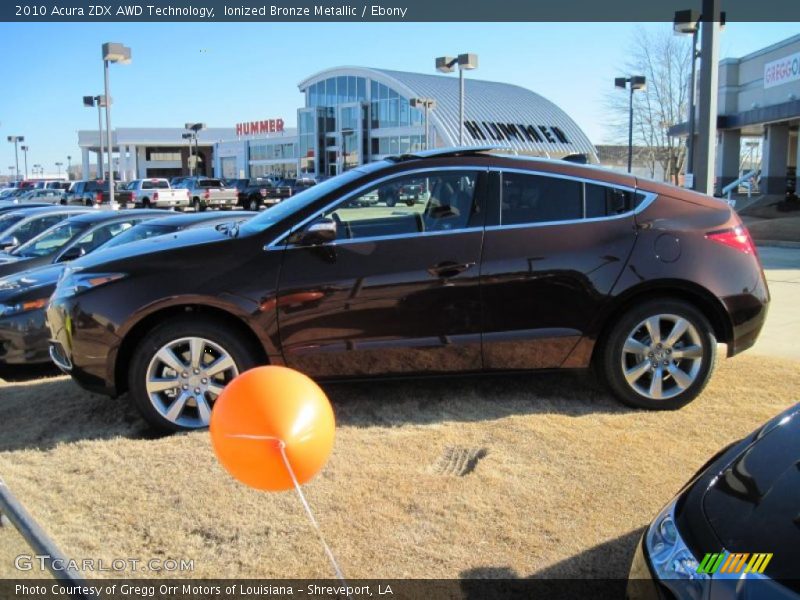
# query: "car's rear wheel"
{"type": "Point", "coordinates": [659, 355]}
{"type": "Point", "coordinates": [180, 368]}
{"type": "Point", "coordinates": [254, 204]}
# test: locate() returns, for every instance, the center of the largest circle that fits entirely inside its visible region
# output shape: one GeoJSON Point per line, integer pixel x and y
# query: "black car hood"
{"type": "Point", "coordinates": [753, 505]}
{"type": "Point", "coordinates": [34, 283]}
{"type": "Point", "coordinates": [162, 243]}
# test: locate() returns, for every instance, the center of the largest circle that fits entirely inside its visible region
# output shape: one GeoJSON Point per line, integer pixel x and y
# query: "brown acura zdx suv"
{"type": "Point", "coordinates": [503, 264]}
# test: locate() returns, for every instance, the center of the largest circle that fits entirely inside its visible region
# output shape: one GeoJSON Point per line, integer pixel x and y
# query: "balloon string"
{"type": "Point", "coordinates": [298, 489]}
{"type": "Point", "coordinates": [310, 514]}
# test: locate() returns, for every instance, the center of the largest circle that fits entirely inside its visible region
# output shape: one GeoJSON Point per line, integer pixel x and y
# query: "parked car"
{"type": "Point", "coordinates": [151, 193]}
{"type": "Point", "coordinates": [174, 223]}
{"type": "Point", "coordinates": [88, 192]}
{"type": "Point", "coordinates": [19, 226]}
{"type": "Point", "coordinates": [48, 195]}
{"type": "Point", "coordinates": [11, 205]}
{"type": "Point", "coordinates": [23, 331]}
{"type": "Point", "coordinates": [732, 531]}
{"type": "Point", "coordinates": [206, 192]}
{"type": "Point", "coordinates": [511, 264]}
{"type": "Point", "coordinates": [75, 237]}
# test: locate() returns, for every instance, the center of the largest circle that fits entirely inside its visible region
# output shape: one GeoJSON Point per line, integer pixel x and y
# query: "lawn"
{"type": "Point", "coordinates": [528, 476]}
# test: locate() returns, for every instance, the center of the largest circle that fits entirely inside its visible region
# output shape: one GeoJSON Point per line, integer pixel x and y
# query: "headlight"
{"type": "Point", "coordinates": [6, 310]}
{"type": "Point", "coordinates": [672, 561]}
{"type": "Point", "coordinates": [74, 281]}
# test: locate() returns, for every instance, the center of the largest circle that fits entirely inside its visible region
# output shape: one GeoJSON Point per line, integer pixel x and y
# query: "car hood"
{"type": "Point", "coordinates": [34, 282]}
{"type": "Point", "coordinates": [162, 243]}
{"type": "Point", "coordinates": [752, 504]}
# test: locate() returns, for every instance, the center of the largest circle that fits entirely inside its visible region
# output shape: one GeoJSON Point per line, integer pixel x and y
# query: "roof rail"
{"type": "Point", "coordinates": [448, 152]}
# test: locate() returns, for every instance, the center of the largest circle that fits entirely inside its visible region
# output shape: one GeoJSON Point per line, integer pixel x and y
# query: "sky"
{"type": "Point", "coordinates": [224, 73]}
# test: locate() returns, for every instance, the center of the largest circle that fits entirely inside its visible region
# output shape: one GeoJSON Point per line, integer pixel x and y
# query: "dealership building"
{"type": "Point", "coordinates": [351, 116]}
{"type": "Point", "coordinates": [759, 110]}
{"type": "Point", "coordinates": [354, 115]}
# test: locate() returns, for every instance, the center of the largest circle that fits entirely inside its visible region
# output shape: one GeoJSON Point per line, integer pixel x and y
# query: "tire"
{"type": "Point", "coordinates": [218, 341]}
{"type": "Point", "coordinates": [410, 201]}
{"type": "Point", "coordinates": [632, 358]}
{"type": "Point", "coordinates": [87, 202]}
{"type": "Point", "coordinates": [197, 205]}
{"type": "Point", "coordinates": [254, 204]}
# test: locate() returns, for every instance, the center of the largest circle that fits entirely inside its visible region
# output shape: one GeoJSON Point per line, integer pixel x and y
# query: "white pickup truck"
{"type": "Point", "coordinates": [152, 193]}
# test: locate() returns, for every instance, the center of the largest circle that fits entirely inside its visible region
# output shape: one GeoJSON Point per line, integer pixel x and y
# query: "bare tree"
{"type": "Point", "coordinates": [665, 60]}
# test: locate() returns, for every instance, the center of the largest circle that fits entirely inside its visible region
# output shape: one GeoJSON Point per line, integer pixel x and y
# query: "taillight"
{"type": "Point", "coordinates": [737, 238]}
{"type": "Point", "coordinates": [207, 195]}
{"type": "Point", "coordinates": [98, 197]}
{"type": "Point", "coordinates": [133, 196]}
{"type": "Point", "coordinates": [155, 197]}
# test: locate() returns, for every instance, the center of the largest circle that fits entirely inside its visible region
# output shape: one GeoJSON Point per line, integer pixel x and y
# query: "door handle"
{"type": "Point", "coordinates": [449, 269]}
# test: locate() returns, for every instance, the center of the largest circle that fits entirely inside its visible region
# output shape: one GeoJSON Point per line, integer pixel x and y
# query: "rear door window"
{"type": "Point", "coordinates": [539, 199]}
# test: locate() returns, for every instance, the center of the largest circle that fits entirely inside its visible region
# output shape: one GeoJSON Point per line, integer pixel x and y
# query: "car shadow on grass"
{"type": "Point", "coordinates": [42, 413]}
{"type": "Point", "coordinates": [599, 572]}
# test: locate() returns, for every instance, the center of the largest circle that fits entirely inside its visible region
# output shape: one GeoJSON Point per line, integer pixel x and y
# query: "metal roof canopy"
{"type": "Point", "coordinates": [487, 102]}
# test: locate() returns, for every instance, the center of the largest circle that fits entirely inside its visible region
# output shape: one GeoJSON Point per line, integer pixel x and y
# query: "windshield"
{"type": "Point", "coordinates": [140, 232]}
{"type": "Point", "coordinates": [8, 220]}
{"type": "Point", "coordinates": [299, 201]}
{"type": "Point", "coordinates": [50, 241]}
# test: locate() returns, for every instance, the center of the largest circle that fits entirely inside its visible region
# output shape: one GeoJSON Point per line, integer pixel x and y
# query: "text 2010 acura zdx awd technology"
{"type": "Point", "coordinates": [500, 264]}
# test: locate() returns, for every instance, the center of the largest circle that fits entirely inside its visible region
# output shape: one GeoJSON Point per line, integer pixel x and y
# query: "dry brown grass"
{"type": "Point", "coordinates": [564, 477]}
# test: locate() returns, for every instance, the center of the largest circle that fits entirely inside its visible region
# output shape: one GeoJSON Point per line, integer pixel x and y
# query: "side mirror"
{"type": "Point", "coordinates": [319, 232]}
{"type": "Point", "coordinates": [8, 243]}
{"type": "Point", "coordinates": [72, 253]}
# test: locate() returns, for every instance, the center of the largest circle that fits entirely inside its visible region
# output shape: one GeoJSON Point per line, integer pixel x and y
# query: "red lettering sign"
{"type": "Point", "coordinates": [260, 127]}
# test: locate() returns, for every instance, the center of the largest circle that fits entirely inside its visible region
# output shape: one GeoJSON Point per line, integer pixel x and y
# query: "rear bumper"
{"type": "Point", "coordinates": [24, 339]}
{"type": "Point", "coordinates": [747, 313]}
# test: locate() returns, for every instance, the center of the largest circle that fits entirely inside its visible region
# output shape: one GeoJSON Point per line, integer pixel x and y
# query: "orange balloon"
{"type": "Point", "coordinates": [257, 411]}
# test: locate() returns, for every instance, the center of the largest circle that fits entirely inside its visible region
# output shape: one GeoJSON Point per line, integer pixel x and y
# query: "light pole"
{"type": "Point", "coordinates": [24, 149]}
{"type": "Point", "coordinates": [188, 136]}
{"type": "Point", "coordinates": [194, 128]}
{"type": "Point", "coordinates": [16, 139]}
{"type": "Point", "coordinates": [465, 62]}
{"type": "Point", "coordinates": [58, 167]}
{"type": "Point", "coordinates": [687, 22]}
{"type": "Point", "coordinates": [427, 104]}
{"type": "Point", "coordinates": [36, 168]}
{"type": "Point", "coordinates": [634, 82]}
{"type": "Point", "coordinates": [99, 102]}
{"type": "Point", "coordinates": [112, 53]}
{"type": "Point", "coordinates": [69, 167]}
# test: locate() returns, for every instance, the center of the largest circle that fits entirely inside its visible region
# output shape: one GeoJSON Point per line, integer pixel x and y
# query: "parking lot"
{"type": "Point", "coordinates": [530, 476]}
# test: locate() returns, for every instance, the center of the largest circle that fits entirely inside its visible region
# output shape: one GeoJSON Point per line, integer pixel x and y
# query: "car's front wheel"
{"type": "Point", "coordinates": [180, 368]}
{"type": "Point", "coordinates": [659, 355]}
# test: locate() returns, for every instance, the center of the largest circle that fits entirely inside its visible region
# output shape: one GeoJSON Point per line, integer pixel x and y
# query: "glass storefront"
{"type": "Point", "coordinates": [340, 126]}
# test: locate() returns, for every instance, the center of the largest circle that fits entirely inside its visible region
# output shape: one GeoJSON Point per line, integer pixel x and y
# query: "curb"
{"type": "Point", "coordinates": [777, 243]}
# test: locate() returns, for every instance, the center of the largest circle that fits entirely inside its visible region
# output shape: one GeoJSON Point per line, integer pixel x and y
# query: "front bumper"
{"type": "Point", "coordinates": [24, 338]}
{"type": "Point", "coordinates": [642, 585]}
{"type": "Point", "coordinates": [85, 359]}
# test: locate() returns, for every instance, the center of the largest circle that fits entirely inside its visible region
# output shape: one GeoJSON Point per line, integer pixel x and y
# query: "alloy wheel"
{"type": "Point", "coordinates": [185, 377]}
{"type": "Point", "coordinates": [662, 356]}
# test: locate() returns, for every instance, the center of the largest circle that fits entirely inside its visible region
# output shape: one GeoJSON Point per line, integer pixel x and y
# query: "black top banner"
{"type": "Point", "coordinates": [389, 10]}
